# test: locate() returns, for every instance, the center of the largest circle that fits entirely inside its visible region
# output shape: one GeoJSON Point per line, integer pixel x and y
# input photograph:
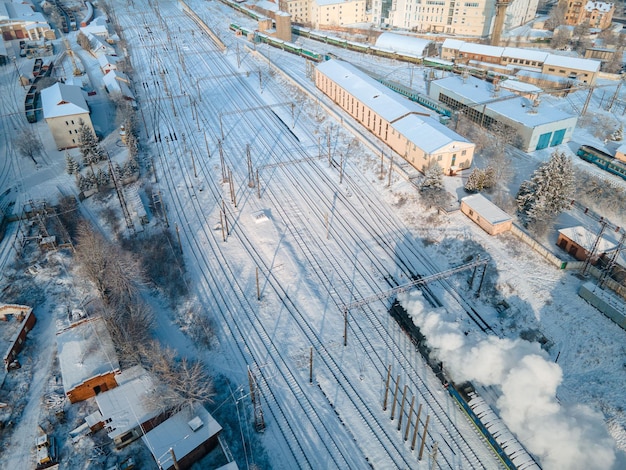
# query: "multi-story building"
{"type": "Point", "coordinates": [64, 108]}
{"type": "Point", "coordinates": [319, 13]}
{"type": "Point", "coordinates": [19, 21]}
{"type": "Point", "coordinates": [467, 18]}
{"type": "Point", "coordinates": [596, 14]}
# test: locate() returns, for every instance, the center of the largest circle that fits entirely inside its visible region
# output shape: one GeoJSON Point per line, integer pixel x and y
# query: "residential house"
{"type": "Point", "coordinates": [107, 63]}
{"type": "Point", "coordinates": [118, 84]}
{"type": "Point", "coordinates": [595, 14]}
{"type": "Point", "coordinates": [188, 436]}
{"type": "Point", "coordinates": [64, 107]}
{"type": "Point", "coordinates": [87, 358]}
{"type": "Point", "coordinates": [133, 408]}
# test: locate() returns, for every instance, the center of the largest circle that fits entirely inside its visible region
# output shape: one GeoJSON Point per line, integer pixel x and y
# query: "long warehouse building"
{"type": "Point", "coordinates": [404, 126]}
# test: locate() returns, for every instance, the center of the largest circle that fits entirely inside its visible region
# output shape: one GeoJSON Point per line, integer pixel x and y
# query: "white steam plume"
{"type": "Point", "coordinates": [562, 437]}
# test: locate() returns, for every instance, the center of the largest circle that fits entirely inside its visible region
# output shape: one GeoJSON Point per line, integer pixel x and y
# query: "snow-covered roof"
{"type": "Point", "coordinates": [63, 100]}
{"type": "Point", "coordinates": [429, 134]}
{"type": "Point", "coordinates": [333, 2]}
{"type": "Point", "coordinates": [603, 7]}
{"type": "Point", "coordinates": [20, 12]}
{"type": "Point", "coordinates": [473, 91]}
{"type": "Point", "coordinates": [525, 54]}
{"type": "Point", "coordinates": [452, 44]}
{"type": "Point", "coordinates": [130, 404]}
{"type": "Point", "coordinates": [402, 43]}
{"type": "Point", "coordinates": [106, 59]}
{"type": "Point", "coordinates": [183, 433]}
{"type": "Point", "coordinates": [118, 82]}
{"type": "Point", "coordinates": [516, 85]}
{"type": "Point", "coordinates": [389, 105]}
{"type": "Point", "coordinates": [589, 65]}
{"type": "Point", "coordinates": [85, 350]}
{"type": "Point", "coordinates": [585, 238]}
{"type": "Point", "coordinates": [482, 49]}
{"type": "Point", "coordinates": [487, 209]}
{"type": "Point", "coordinates": [267, 5]}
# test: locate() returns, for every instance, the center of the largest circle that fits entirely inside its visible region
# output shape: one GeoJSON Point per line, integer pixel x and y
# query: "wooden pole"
{"type": "Point", "coordinates": [258, 185]}
{"type": "Point", "coordinates": [174, 461]}
{"type": "Point", "coordinates": [222, 224]}
{"type": "Point", "coordinates": [395, 398]}
{"type": "Point", "coordinates": [402, 407]}
{"type": "Point", "coordinates": [225, 218]}
{"type": "Point", "coordinates": [417, 426]}
{"type": "Point", "coordinates": [180, 245]}
{"type": "Point", "coordinates": [258, 289]}
{"type": "Point", "coordinates": [345, 328]}
{"type": "Point", "coordinates": [419, 457]}
{"type": "Point", "coordinates": [311, 365]}
{"type": "Point", "coordinates": [387, 388]}
{"type": "Point", "coordinates": [193, 162]}
{"type": "Point", "coordinates": [390, 170]}
{"type": "Point", "coordinates": [408, 424]}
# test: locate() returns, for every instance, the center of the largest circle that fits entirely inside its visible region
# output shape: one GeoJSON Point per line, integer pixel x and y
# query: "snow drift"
{"type": "Point", "coordinates": [562, 437]}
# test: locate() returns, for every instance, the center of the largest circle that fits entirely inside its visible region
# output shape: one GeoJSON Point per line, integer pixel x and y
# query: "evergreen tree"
{"type": "Point", "coordinates": [102, 177]}
{"type": "Point", "coordinates": [130, 168]}
{"type": "Point", "coordinates": [549, 191]}
{"type": "Point", "coordinates": [433, 178]}
{"type": "Point", "coordinates": [88, 144]}
{"type": "Point", "coordinates": [71, 165]}
{"type": "Point", "coordinates": [480, 180]}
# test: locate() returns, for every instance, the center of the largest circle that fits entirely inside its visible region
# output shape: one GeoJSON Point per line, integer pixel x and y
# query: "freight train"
{"type": "Point", "coordinates": [503, 443]}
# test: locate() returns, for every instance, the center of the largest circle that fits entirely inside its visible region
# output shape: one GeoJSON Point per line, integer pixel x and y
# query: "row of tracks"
{"type": "Point", "coordinates": [292, 182]}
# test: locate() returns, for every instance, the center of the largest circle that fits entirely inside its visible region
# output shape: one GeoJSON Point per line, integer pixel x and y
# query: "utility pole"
{"type": "Point", "coordinates": [250, 170]}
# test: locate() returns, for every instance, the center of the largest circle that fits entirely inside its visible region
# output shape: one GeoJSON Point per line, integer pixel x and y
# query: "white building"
{"type": "Point", "coordinates": [404, 126]}
{"type": "Point", "coordinates": [538, 125]}
{"type": "Point", "coordinates": [451, 16]}
{"type": "Point", "coordinates": [406, 44]}
{"type": "Point", "coordinates": [64, 107]}
{"type": "Point", "coordinates": [337, 12]}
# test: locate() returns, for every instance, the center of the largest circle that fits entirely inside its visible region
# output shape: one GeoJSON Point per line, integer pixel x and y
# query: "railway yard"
{"type": "Point", "coordinates": [288, 218]}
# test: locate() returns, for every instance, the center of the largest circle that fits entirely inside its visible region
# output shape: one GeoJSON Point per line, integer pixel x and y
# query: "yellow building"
{"type": "Point", "coordinates": [401, 124]}
{"type": "Point", "coordinates": [596, 14]}
{"type": "Point", "coordinates": [19, 21]}
{"type": "Point", "coordinates": [63, 109]}
{"type": "Point", "coordinates": [337, 12]}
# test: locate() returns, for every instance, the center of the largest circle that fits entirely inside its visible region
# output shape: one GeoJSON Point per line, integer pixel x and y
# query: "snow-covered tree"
{"type": "Point", "coordinates": [433, 178]}
{"type": "Point", "coordinates": [130, 168]}
{"type": "Point", "coordinates": [102, 177]}
{"type": "Point", "coordinates": [548, 192]}
{"type": "Point", "coordinates": [88, 144]}
{"type": "Point", "coordinates": [480, 180]}
{"type": "Point", "coordinates": [71, 165]}
{"type": "Point", "coordinates": [28, 144]}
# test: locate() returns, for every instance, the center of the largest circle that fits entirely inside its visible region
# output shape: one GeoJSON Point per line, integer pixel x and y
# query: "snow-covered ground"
{"type": "Point", "coordinates": [317, 244]}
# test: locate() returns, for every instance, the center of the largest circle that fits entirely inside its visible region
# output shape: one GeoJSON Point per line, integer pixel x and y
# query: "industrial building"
{"type": "Point", "coordinates": [510, 60]}
{"type": "Point", "coordinates": [404, 126]}
{"type": "Point", "coordinates": [536, 124]}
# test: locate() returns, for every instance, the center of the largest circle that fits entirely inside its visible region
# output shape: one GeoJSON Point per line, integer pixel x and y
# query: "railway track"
{"type": "Point", "coordinates": [212, 259]}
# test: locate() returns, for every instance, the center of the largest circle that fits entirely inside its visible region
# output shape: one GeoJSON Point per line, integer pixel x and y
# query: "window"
{"type": "Point", "coordinates": [67, 123]}
{"type": "Point", "coordinates": [72, 122]}
{"type": "Point", "coordinates": [463, 152]}
{"type": "Point", "coordinates": [471, 212]}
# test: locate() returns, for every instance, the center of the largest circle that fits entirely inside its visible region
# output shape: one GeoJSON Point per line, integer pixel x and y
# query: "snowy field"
{"type": "Point", "coordinates": [240, 157]}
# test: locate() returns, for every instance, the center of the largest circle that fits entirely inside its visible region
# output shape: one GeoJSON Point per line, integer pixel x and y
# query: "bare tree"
{"type": "Point", "coordinates": [182, 381]}
{"type": "Point", "coordinates": [616, 63]}
{"type": "Point", "coordinates": [557, 16]}
{"type": "Point", "coordinates": [116, 274]}
{"type": "Point", "coordinates": [560, 38]}
{"type": "Point", "coordinates": [28, 144]}
{"type": "Point", "coordinates": [83, 41]}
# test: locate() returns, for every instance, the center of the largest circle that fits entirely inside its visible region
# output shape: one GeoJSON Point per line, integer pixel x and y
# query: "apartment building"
{"type": "Point", "coordinates": [596, 14]}
{"type": "Point", "coordinates": [467, 18]}
{"type": "Point", "coordinates": [319, 13]}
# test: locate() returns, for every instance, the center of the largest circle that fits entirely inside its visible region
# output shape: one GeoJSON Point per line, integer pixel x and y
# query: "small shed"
{"type": "Point", "coordinates": [579, 241]}
{"type": "Point", "coordinates": [486, 214]}
{"type": "Point", "coordinates": [188, 436]}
